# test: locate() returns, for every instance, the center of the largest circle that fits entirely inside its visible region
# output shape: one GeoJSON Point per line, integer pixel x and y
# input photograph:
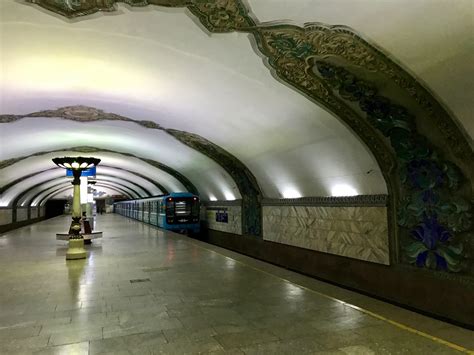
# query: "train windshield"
{"type": "Point", "coordinates": [182, 209]}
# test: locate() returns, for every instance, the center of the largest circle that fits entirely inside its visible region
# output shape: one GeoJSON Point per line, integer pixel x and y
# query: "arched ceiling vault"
{"type": "Point", "coordinates": [24, 177]}
{"type": "Point", "coordinates": [375, 126]}
{"type": "Point", "coordinates": [49, 193]}
{"type": "Point", "coordinates": [35, 181]}
{"type": "Point", "coordinates": [28, 195]}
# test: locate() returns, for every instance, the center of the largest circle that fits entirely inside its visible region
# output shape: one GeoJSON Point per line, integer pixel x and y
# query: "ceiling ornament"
{"type": "Point", "coordinates": [84, 149]}
{"type": "Point", "coordinates": [215, 15]}
{"type": "Point", "coordinates": [242, 176]}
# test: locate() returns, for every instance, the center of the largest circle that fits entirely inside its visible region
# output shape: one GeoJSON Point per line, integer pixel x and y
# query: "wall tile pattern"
{"type": "Point", "coordinates": [234, 224]}
{"type": "Point", "coordinates": [354, 232]}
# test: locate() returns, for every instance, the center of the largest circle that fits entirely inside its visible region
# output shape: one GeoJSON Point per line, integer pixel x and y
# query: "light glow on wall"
{"type": "Point", "coordinates": [212, 198]}
{"type": "Point", "coordinates": [229, 196]}
{"type": "Point", "coordinates": [343, 190]}
{"type": "Point", "coordinates": [291, 192]}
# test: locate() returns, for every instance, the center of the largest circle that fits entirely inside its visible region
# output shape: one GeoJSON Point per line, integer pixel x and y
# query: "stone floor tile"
{"type": "Point", "coordinates": [130, 343]}
{"type": "Point", "coordinates": [174, 335]}
{"type": "Point", "coordinates": [75, 336]}
{"type": "Point", "coordinates": [242, 339]}
{"type": "Point", "coordinates": [306, 345]}
{"type": "Point", "coordinates": [23, 345]}
{"type": "Point", "coordinates": [340, 338]}
{"type": "Point", "coordinates": [70, 349]}
{"type": "Point", "coordinates": [188, 347]}
{"type": "Point", "coordinates": [19, 332]}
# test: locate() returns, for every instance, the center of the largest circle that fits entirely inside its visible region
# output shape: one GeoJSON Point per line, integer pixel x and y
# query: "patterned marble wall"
{"type": "Point", "coordinates": [21, 214]}
{"type": "Point", "coordinates": [5, 216]}
{"type": "Point", "coordinates": [33, 212]}
{"type": "Point", "coordinates": [355, 232]}
{"type": "Point", "coordinates": [231, 209]}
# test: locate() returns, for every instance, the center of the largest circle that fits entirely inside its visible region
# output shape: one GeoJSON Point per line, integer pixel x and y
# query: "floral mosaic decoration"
{"type": "Point", "coordinates": [431, 207]}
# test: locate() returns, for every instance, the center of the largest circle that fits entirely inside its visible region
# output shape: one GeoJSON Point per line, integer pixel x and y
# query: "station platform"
{"type": "Point", "coordinates": [143, 290]}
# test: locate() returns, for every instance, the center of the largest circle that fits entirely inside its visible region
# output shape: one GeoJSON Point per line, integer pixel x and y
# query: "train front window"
{"type": "Point", "coordinates": [182, 208]}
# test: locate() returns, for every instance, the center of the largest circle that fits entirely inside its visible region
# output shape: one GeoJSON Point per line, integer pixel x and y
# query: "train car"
{"type": "Point", "coordinates": [175, 211]}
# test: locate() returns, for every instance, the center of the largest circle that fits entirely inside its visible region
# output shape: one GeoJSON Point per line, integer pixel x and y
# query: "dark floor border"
{"type": "Point", "coordinates": [15, 225]}
{"type": "Point", "coordinates": [443, 299]}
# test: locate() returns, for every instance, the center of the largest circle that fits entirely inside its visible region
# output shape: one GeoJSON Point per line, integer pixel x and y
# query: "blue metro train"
{"type": "Point", "coordinates": [174, 211]}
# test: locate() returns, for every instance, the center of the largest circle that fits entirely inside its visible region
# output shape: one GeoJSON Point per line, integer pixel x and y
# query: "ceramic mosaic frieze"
{"type": "Point", "coordinates": [355, 232]}
{"type": "Point", "coordinates": [231, 224]}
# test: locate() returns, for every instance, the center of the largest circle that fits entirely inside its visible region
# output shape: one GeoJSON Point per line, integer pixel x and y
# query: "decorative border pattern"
{"type": "Point", "coordinates": [344, 201]}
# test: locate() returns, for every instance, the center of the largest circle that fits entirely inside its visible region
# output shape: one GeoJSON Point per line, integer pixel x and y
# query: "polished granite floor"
{"type": "Point", "coordinates": [145, 291]}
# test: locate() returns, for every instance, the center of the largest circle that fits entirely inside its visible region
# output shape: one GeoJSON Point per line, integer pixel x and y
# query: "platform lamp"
{"type": "Point", "coordinates": [76, 165]}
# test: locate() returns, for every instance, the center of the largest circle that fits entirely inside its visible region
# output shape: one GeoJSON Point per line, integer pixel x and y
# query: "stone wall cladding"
{"type": "Point", "coordinates": [21, 214]}
{"type": "Point", "coordinates": [5, 216]}
{"type": "Point", "coordinates": [234, 213]}
{"type": "Point", "coordinates": [355, 232]}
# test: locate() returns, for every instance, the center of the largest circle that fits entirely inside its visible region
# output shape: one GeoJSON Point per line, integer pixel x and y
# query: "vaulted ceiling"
{"type": "Point", "coordinates": [203, 96]}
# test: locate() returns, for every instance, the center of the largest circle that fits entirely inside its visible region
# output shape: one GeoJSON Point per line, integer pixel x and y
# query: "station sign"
{"type": "Point", "coordinates": [86, 172]}
{"type": "Point", "coordinates": [222, 216]}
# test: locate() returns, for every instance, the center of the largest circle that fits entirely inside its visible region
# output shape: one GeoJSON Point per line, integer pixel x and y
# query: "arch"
{"type": "Point", "coordinates": [46, 198]}
{"type": "Point", "coordinates": [24, 177]}
{"type": "Point", "coordinates": [90, 150]}
{"type": "Point", "coordinates": [45, 195]}
{"type": "Point", "coordinates": [23, 196]}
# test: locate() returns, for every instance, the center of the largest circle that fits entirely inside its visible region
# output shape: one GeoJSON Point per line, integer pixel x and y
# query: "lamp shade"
{"type": "Point", "coordinates": [76, 163]}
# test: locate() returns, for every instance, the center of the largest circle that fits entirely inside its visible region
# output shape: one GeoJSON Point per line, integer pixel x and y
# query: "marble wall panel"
{"type": "Point", "coordinates": [21, 214]}
{"type": "Point", "coordinates": [355, 232]}
{"type": "Point", "coordinates": [6, 215]}
{"type": "Point", "coordinates": [34, 212]}
{"type": "Point", "coordinates": [234, 224]}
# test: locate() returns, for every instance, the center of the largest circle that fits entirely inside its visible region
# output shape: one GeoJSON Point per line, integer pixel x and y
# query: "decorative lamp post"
{"type": "Point", "coordinates": [77, 165]}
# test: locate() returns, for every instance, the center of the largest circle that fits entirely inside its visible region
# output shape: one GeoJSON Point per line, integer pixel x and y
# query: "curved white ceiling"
{"type": "Point", "coordinates": [160, 66]}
